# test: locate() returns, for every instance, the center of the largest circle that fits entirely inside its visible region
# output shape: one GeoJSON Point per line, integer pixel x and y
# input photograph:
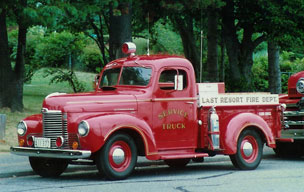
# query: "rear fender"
{"type": "Point", "coordinates": [102, 127]}
{"type": "Point", "coordinates": [239, 123]}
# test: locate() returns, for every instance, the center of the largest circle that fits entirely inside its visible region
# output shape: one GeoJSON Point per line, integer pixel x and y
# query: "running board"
{"type": "Point", "coordinates": [183, 156]}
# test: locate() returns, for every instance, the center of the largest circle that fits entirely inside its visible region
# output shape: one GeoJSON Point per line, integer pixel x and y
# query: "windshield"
{"type": "Point", "coordinates": [139, 76]}
{"type": "Point", "coordinates": [109, 77]}
{"type": "Point", "coordinates": [135, 76]}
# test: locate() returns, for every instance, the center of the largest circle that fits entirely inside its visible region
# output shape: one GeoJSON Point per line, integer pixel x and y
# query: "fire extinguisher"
{"type": "Point", "coordinates": [214, 128]}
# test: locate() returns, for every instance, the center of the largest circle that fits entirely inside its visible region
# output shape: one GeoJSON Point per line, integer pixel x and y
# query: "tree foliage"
{"type": "Point", "coordinates": [240, 26]}
{"type": "Point", "coordinates": [63, 45]}
{"type": "Point", "coordinates": [164, 39]}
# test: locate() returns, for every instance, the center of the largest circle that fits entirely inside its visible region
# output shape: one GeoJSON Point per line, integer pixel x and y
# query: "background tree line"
{"type": "Point", "coordinates": [244, 43]}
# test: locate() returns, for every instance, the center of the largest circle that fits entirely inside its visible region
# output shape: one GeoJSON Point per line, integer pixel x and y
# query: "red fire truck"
{"type": "Point", "coordinates": [293, 122]}
{"type": "Point", "coordinates": [149, 106]}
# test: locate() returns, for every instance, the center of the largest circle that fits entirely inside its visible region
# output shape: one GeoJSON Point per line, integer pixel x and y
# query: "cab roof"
{"type": "Point", "coordinates": [158, 61]}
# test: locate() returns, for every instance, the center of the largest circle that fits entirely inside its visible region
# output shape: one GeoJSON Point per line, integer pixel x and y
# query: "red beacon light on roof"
{"type": "Point", "coordinates": [129, 48]}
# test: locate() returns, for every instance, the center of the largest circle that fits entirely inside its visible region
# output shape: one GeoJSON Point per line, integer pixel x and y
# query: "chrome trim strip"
{"type": "Point", "coordinates": [294, 122]}
{"type": "Point", "coordinates": [101, 102]}
{"type": "Point", "coordinates": [54, 94]}
{"type": "Point", "coordinates": [140, 100]}
{"type": "Point", "coordinates": [125, 109]}
{"type": "Point", "coordinates": [50, 153]}
{"type": "Point", "coordinates": [176, 99]}
{"type": "Point", "coordinates": [45, 110]}
{"type": "Point", "coordinates": [291, 105]}
{"type": "Point", "coordinates": [293, 113]}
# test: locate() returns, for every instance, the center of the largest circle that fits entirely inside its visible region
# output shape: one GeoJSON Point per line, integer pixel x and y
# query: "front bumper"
{"type": "Point", "coordinates": [51, 153]}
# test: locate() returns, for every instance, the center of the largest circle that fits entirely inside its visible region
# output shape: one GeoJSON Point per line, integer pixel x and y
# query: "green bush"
{"type": "Point", "coordinates": [91, 58]}
{"type": "Point", "coordinates": [290, 63]}
{"type": "Point", "coordinates": [165, 40]}
{"type": "Point", "coordinates": [12, 43]}
{"type": "Point", "coordinates": [260, 74]}
{"type": "Point", "coordinates": [59, 49]}
{"type": "Point", "coordinates": [34, 37]}
{"type": "Point", "coordinates": [59, 76]}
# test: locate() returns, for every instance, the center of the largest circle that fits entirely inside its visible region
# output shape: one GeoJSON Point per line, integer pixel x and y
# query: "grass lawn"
{"type": "Point", "coordinates": [34, 93]}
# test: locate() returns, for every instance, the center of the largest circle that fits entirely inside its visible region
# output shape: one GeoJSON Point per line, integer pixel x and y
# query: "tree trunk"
{"type": "Point", "coordinates": [274, 71]}
{"type": "Point", "coordinates": [120, 29]}
{"type": "Point", "coordinates": [100, 38]}
{"type": "Point", "coordinates": [11, 82]}
{"type": "Point", "coordinates": [212, 36]}
{"type": "Point", "coordinates": [185, 28]}
{"type": "Point", "coordinates": [239, 51]}
{"type": "Point", "coordinates": [6, 73]}
{"type": "Point", "coordinates": [20, 63]}
{"type": "Point", "coordinates": [232, 46]}
{"type": "Point", "coordinates": [246, 62]}
{"type": "Point", "coordinates": [222, 64]}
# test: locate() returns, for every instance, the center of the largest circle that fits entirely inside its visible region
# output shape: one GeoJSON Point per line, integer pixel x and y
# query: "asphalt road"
{"type": "Point", "coordinates": [215, 174]}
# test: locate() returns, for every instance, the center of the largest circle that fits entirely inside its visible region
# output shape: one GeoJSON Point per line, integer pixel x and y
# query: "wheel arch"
{"type": "Point", "coordinates": [136, 136]}
{"type": "Point", "coordinates": [242, 122]}
{"type": "Point", "coordinates": [102, 127]}
{"type": "Point", "coordinates": [138, 129]}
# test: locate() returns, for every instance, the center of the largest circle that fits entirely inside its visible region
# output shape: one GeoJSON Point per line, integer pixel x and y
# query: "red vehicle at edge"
{"type": "Point", "coordinates": [292, 142]}
{"type": "Point", "coordinates": [148, 106]}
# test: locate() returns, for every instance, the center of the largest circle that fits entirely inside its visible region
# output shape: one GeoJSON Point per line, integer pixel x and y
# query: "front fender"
{"type": "Point", "coordinates": [102, 127]}
{"type": "Point", "coordinates": [240, 122]}
{"type": "Point", "coordinates": [34, 127]}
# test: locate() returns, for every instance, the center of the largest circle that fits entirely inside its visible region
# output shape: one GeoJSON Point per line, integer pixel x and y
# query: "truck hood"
{"type": "Point", "coordinates": [90, 102]}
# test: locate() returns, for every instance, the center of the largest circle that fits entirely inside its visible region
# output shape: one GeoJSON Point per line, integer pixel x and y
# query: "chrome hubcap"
{"type": "Point", "coordinates": [247, 148]}
{"type": "Point", "coordinates": [118, 156]}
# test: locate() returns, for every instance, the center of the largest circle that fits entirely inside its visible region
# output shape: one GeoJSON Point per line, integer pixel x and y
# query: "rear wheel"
{"type": "Point", "coordinates": [177, 163]}
{"type": "Point", "coordinates": [47, 167]}
{"type": "Point", "coordinates": [118, 157]}
{"type": "Point", "coordinates": [249, 151]}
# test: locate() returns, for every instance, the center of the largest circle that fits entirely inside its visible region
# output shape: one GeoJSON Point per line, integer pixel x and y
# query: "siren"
{"type": "Point", "coordinates": [129, 48]}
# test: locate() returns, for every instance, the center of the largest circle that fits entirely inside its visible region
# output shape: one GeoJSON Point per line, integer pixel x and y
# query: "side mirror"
{"type": "Point", "coordinates": [178, 82]}
{"type": "Point", "coordinates": [95, 81]}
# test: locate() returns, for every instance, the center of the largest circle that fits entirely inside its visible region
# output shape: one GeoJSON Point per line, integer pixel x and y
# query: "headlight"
{"type": "Point", "coordinates": [83, 128]}
{"type": "Point", "coordinates": [300, 86]}
{"type": "Point", "coordinates": [21, 128]}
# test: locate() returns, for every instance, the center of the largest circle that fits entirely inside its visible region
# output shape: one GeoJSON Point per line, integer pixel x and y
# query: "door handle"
{"type": "Point", "coordinates": [190, 102]}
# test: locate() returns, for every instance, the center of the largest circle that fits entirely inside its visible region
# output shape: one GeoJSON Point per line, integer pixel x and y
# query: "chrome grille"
{"type": "Point", "coordinates": [54, 126]}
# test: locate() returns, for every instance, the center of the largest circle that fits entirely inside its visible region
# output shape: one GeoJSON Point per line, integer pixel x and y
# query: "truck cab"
{"type": "Point", "coordinates": [148, 106]}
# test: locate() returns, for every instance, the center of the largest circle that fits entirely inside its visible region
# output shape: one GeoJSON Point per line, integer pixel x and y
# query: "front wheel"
{"type": "Point", "coordinates": [47, 167]}
{"type": "Point", "coordinates": [118, 157]}
{"type": "Point", "coordinates": [249, 151]}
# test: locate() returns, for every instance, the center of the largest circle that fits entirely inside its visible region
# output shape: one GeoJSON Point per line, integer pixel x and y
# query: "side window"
{"type": "Point", "coordinates": [169, 77]}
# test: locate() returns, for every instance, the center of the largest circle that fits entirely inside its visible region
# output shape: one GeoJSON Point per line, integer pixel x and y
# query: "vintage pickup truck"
{"type": "Point", "coordinates": [149, 106]}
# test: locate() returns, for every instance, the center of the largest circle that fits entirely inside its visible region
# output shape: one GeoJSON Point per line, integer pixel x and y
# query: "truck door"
{"type": "Point", "coordinates": [174, 110]}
